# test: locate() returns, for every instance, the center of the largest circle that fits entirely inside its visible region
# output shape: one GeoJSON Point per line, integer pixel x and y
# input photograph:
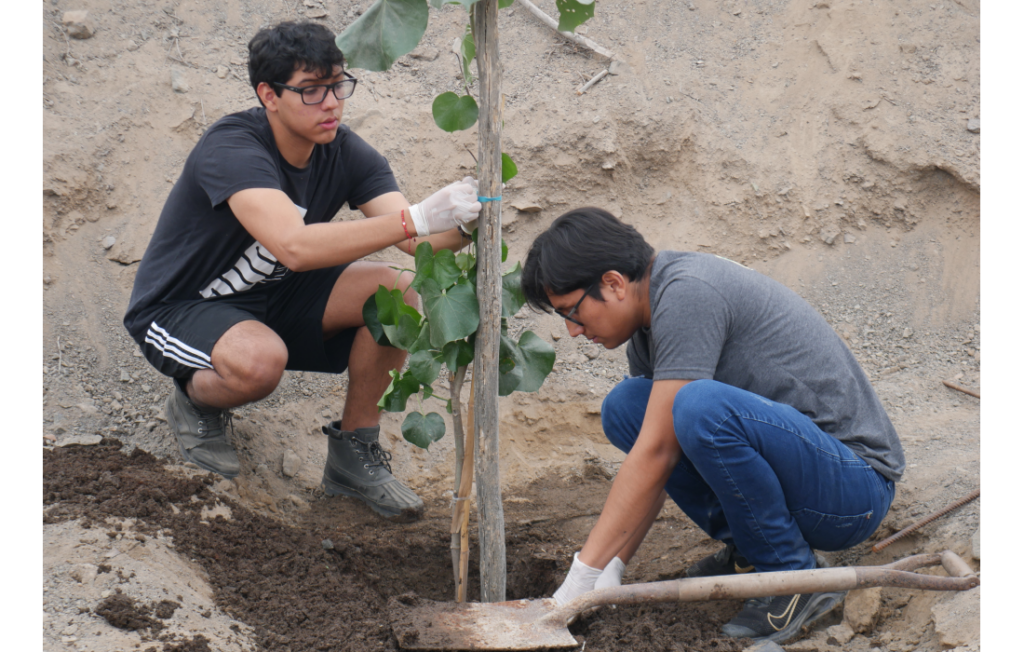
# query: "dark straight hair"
{"type": "Point", "coordinates": [275, 53]}
{"type": "Point", "coordinates": [576, 250]}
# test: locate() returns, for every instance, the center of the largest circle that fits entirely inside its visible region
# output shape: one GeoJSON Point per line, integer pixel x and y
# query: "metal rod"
{"type": "Point", "coordinates": [961, 389]}
{"type": "Point", "coordinates": [925, 521]}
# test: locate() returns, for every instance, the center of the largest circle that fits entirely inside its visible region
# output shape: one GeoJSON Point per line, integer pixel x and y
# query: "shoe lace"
{"type": "Point", "coordinates": [377, 456]}
{"type": "Point", "coordinates": [213, 423]}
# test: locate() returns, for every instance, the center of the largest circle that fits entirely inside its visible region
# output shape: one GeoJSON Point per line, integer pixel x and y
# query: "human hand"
{"type": "Point", "coordinates": [580, 580]}
{"type": "Point", "coordinates": [611, 575]}
{"type": "Point", "coordinates": [450, 206]}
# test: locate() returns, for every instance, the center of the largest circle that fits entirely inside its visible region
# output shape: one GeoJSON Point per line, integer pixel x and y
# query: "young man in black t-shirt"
{"type": "Point", "coordinates": [247, 276]}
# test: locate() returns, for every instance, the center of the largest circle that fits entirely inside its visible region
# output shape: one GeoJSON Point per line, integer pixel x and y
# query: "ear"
{"type": "Point", "coordinates": [616, 282]}
{"type": "Point", "coordinates": [266, 93]}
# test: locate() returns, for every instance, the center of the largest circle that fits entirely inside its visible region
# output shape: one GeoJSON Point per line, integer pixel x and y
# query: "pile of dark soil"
{"type": "Point", "coordinates": [323, 581]}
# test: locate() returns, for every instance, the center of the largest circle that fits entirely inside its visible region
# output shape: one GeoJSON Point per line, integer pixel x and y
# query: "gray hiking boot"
{"type": "Point", "coordinates": [201, 434]}
{"type": "Point", "coordinates": [358, 467]}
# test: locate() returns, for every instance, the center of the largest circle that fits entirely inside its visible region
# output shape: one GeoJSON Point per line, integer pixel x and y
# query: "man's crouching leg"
{"type": "Point", "coordinates": [248, 361]}
{"type": "Point", "coordinates": [357, 465]}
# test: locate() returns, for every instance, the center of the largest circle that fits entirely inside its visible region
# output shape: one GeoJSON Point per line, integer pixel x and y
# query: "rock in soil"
{"type": "Point", "coordinates": [861, 608]}
{"type": "Point", "coordinates": [79, 24]}
{"type": "Point", "coordinates": [958, 618]}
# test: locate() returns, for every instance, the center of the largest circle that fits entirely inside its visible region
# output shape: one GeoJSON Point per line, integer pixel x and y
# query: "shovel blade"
{"type": "Point", "coordinates": [420, 624]}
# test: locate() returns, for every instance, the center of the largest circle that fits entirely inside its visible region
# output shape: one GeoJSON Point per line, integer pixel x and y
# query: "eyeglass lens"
{"type": "Point", "coordinates": [317, 94]}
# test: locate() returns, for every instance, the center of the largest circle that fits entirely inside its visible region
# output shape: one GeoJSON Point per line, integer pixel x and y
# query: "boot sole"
{"type": "Point", "coordinates": [173, 423]}
{"type": "Point", "coordinates": [407, 515]}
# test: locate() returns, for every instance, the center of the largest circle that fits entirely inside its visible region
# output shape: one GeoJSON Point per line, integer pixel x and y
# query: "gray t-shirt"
{"type": "Point", "coordinates": [713, 318]}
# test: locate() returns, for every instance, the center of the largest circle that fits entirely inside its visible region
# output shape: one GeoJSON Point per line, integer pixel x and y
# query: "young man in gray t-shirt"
{"type": "Point", "coordinates": [742, 405]}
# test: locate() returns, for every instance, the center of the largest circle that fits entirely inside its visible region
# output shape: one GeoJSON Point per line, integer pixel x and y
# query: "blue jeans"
{"type": "Point", "coordinates": [757, 473]}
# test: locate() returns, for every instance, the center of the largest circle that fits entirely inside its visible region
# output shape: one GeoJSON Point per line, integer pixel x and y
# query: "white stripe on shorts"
{"type": "Point", "coordinates": [176, 349]}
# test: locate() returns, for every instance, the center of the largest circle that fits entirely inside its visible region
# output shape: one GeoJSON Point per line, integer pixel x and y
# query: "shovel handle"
{"type": "Point", "coordinates": [758, 585]}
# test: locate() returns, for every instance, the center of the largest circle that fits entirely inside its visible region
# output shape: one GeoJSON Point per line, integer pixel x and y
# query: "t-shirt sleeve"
{"type": "Point", "coordinates": [638, 355]}
{"type": "Point", "coordinates": [690, 325]}
{"type": "Point", "coordinates": [233, 159]}
{"type": "Point", "coordinates": [374, 175]}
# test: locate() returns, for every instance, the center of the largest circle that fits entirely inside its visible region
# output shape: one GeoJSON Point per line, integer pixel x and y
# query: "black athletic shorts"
{"type": "Point", "coordinates": [178, 337]}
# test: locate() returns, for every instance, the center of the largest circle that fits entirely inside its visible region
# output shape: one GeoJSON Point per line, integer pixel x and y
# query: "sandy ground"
{"type": "Point", "coordinates": [826, 144]}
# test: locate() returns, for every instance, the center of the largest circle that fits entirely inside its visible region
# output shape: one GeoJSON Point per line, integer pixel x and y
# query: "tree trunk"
{"type": "Point", "coordinates": [485, 369]}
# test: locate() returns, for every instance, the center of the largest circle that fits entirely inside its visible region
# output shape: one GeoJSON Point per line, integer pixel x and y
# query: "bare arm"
{"type": "Point", "coordinates": [639, 485]}
{"type": "Point", "coordinates": [393, 202]}
{"type": "Point", "coordinates": [270, 217]}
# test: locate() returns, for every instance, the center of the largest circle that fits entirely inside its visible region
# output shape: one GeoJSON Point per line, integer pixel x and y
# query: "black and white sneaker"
{"type": "Point", "coordinates": [779, 619]}
{"type": "Point", "coordinates": [726, 561]}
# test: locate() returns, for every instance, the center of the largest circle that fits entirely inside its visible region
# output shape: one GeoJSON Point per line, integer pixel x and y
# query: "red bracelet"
{"type": "Point", "coordinates": [406, 229]}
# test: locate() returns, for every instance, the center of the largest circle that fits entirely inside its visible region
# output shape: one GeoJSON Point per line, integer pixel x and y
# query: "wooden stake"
{"type": "Point", "coordinates": [460, 514]}
{"type": "Point", "coordinates": [485, 363]}
{"type": "Point", "coordinates": [460, 451]}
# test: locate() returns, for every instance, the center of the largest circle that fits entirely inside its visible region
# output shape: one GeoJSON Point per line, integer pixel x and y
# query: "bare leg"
{"type": "Point", "coordinates": [369, 362]}
{"type": "Point", "coordinates": [248, 361]}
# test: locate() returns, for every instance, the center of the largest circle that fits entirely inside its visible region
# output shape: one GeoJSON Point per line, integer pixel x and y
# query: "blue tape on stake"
{"type": "Point", "coordinates": [486, 199]}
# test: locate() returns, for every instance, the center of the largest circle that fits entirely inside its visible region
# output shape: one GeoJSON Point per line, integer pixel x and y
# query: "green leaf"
{"type": "Point", "coordinates": [422, 342]}
{"type": "Point", "coordinates": [468, 54]}
{"type": "Point", "coordinates": [372, 322]}
{"type": "Point", "coordinates": [510, 366]}
{"type": "Point", "coordinates": [512, 297]}
{"type": "Point", "coordinates": [446, 270]}
{"type": "Point", "coordinates": [423, 430]}
{"type": "Point", "coordinates": [428, 391]}
{"type": "Point", "coordinates": [465, 261]}
{"type": "Point", "coordinates": [505, 3]}
{"type": "Point", "coordinates": [454, 113]}
{"type": "Point", "coordinates": [457, 354]}
{"type": "Point", "coordinates": [385, 31]}
{"type": "Point", "coordinates": [398, 392]}
{"type": "Point", "coordinates": [424, 367]}
{"type": "Point", "coordinates": [453, 313]}
{"type": "Point", "coordinates": [387, 309]}
{"type": "Point", "coordinates": [424, 264]}
{"type": "Point", "coordinates": [538, 360]}
{"type": "Point", "coordinates": [508, 167]}
{"type": "Point", "coordinates": [403, 335]}
{"type": "Point", "coordinates": [573, 13]}
{"type": "Point", "coordinates": [504, 250]}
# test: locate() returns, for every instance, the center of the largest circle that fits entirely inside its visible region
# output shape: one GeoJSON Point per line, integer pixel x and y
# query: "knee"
{"type": "Point", "coordinates": [622, 412]}
{"type": "Point", "coordinates": [261, 373]}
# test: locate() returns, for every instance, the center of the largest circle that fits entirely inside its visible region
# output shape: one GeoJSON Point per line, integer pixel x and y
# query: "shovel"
{"type": "Point", "coordinates": [420, 624]}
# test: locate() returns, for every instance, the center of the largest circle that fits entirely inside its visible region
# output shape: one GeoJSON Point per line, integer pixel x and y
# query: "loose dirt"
{"type": "Point", "coordinates": [825, 144]}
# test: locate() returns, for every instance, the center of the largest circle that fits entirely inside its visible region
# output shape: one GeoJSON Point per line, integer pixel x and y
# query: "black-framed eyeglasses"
{"type": "Point", "coordinates": [569, 316]}
{"type": "Point", "coordinates": [317, 93]}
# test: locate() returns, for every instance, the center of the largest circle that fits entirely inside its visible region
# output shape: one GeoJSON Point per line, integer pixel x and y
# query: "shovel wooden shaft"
{"type": "Point", "coordinates": [531, 624]}
{"type": "Point", "coordinates": [757, 585]}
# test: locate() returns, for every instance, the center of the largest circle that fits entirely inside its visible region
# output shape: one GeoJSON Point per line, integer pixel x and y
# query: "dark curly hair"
{"type": "Point", "coordinates": [275, 53]}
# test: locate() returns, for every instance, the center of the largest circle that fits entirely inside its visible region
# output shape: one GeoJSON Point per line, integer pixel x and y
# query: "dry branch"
{"type": "Point", "coordinates": [575, 38]}
{"type": "Point", "coordinates": [596, 78]}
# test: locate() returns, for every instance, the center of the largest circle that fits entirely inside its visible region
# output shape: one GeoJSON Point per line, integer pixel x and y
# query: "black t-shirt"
{"type": "Point", "coordinates": [199, 248]}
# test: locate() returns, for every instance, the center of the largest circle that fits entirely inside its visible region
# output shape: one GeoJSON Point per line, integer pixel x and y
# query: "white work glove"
{"type": "Point", "coordinates": [468, 227]}
{"type": "Point", "coordinates": [611, 575]}
{"type": "Point", "coordinates": [447, 208]}
{"type": "Point", "coordinates": [580, 580]}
